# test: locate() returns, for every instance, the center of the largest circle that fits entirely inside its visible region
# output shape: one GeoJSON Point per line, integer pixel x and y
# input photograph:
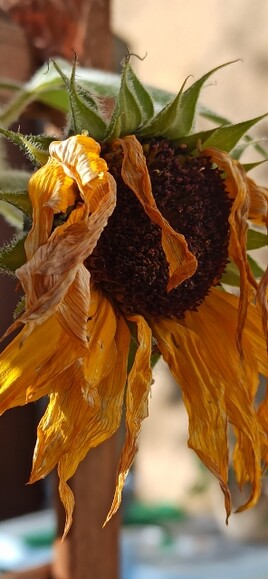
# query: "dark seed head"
{"type": "Point", "coordinates": [129, 264]}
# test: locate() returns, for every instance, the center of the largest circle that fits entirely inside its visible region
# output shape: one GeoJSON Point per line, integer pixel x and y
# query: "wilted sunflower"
{"type": "Point", "coordinates": [130, 238]}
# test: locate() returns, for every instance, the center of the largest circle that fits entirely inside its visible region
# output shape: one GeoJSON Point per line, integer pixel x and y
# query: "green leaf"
{"type": "Point", "coordinates": [212, 116]}
{"type": "Point", "coordinates": [226, 137]}
{"type": "Point", "coordinates": [231, 275]}
{"type": "Point", "coordinates": [19, 199]}
{"type": "Point", "coordinates": [56, 99]}
{"type": "Point", "coordinates": [255, 267]}
{"type": "Point", "coordinates": [12, 215]}
{"type": "Point", "coordinates": [14, 179]}
{"type": "Point", "coordinates": [249, 166]}
{"type": "Point", "coordinates": [34, 147]}
{"type": "Point", "coordinates": [42, 87]}
{"type": "Point", "coordinates": [256, 239]}
{"type": "Point", "coordinates": [133, 108]}
{"type": "Point", "coordinates": [12, 255]}
{"type": "Point", "coordinates": [84, 111]}
{"type": "Point", "coordinates": [177, 118]}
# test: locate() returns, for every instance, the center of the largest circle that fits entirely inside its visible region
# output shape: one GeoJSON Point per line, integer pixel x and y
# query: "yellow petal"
{"type": "Point", "coordinates": [50, 191]}
{"type": "Point", "coordinates": [27, 365]}
{"type": "Point", "coordinates": [182, 263]}
{"type": "Point", "coordinates": [203, 396]}
{"type": "Point", "coordinates": [215, 325]}
{"type": "Point", "coordinates": [82, 413]}
{"type": "Point", "coordinates": [137, 393]}
{"type": "Point", "coordinates": [19, 363]}
{"type": "Point", "coordinates": [102, 350]}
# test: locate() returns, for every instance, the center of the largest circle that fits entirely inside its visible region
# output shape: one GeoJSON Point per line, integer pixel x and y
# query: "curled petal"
{"type": "Point", "coordinates": [182, 263]}
{"type": "Point", "coordinates": [239, 189]}
{"type": "Point", "coordinates": [79, 156]}
{"type": "Point", "coordinates": [42, 186]}
{"type": "Point", "coordinates": [52, 272]}
{"type": "Point", "coordinates": [262, 300]}
{"type": "Point", "coordinates": [258, 210]}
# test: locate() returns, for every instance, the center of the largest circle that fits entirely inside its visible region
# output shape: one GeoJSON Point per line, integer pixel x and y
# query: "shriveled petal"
{"type": "Point", "coordinates": [215, 325]}
{"type": "Point", "coordinates": [203, 396]}
{"type": "Point", "coordinates": [238, 190]}
{"type": "Point", "coordinates": [73, 309]}
{"type": "Point", "coordinates": [54, 268]}
{"type": "Point", "coordinates": [81, 415]}
{"type": "Point", "coordinates": [227, 304]}
{"type": "Point", "coordinates": [137, 393]}
{"type": "Point", "coordinates": [182, 263]}
{"type": "Point", "coordinates": [258, 210]}
{"type": "Point", "coordinates": [262, 300]}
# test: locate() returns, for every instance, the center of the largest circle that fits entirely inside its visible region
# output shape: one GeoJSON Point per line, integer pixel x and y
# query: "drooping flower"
{"type": "Point", "coordinates": [129, 241]}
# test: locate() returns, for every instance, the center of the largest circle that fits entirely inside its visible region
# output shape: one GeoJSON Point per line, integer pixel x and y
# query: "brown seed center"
{"type": "Point", "coordinates": [129, 264]}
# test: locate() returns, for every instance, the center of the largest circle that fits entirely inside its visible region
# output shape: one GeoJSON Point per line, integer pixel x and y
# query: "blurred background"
{"type": "Point", "coordinates": [171, 496]}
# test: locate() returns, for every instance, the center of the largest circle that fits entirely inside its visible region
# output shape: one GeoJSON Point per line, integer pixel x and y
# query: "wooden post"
{"type": "Point", "coordinates": [89, 551]}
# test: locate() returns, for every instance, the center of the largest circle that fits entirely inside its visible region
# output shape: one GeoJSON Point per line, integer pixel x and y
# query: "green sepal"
{"type": "Point", "coordinates": [12, 255]}
{"type": "Point", "coordinates": [177, 118]}
{"type": "Point", "coordinates": [12, 215]}
{"type": "Point", "coordinates": [35, 147]}
{"type": "Point", "coordinates": [19, 309]}
{"type": "Point", "coordinates": [18, 199]}
{"type": "Point", "coordinates": [223, 138]}
{"type": "Point", "coordinates": [84, 114]}
{"type": "Point", "coordinates": [133, 108]}
{"type": "Point", "coordinates": [256, 239]}
{"type": "Point", "coordinates": [226, 137]}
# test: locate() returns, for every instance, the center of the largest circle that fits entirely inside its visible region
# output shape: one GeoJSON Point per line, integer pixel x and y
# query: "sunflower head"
{"type": "Point", "coordinates": [136, 227]}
